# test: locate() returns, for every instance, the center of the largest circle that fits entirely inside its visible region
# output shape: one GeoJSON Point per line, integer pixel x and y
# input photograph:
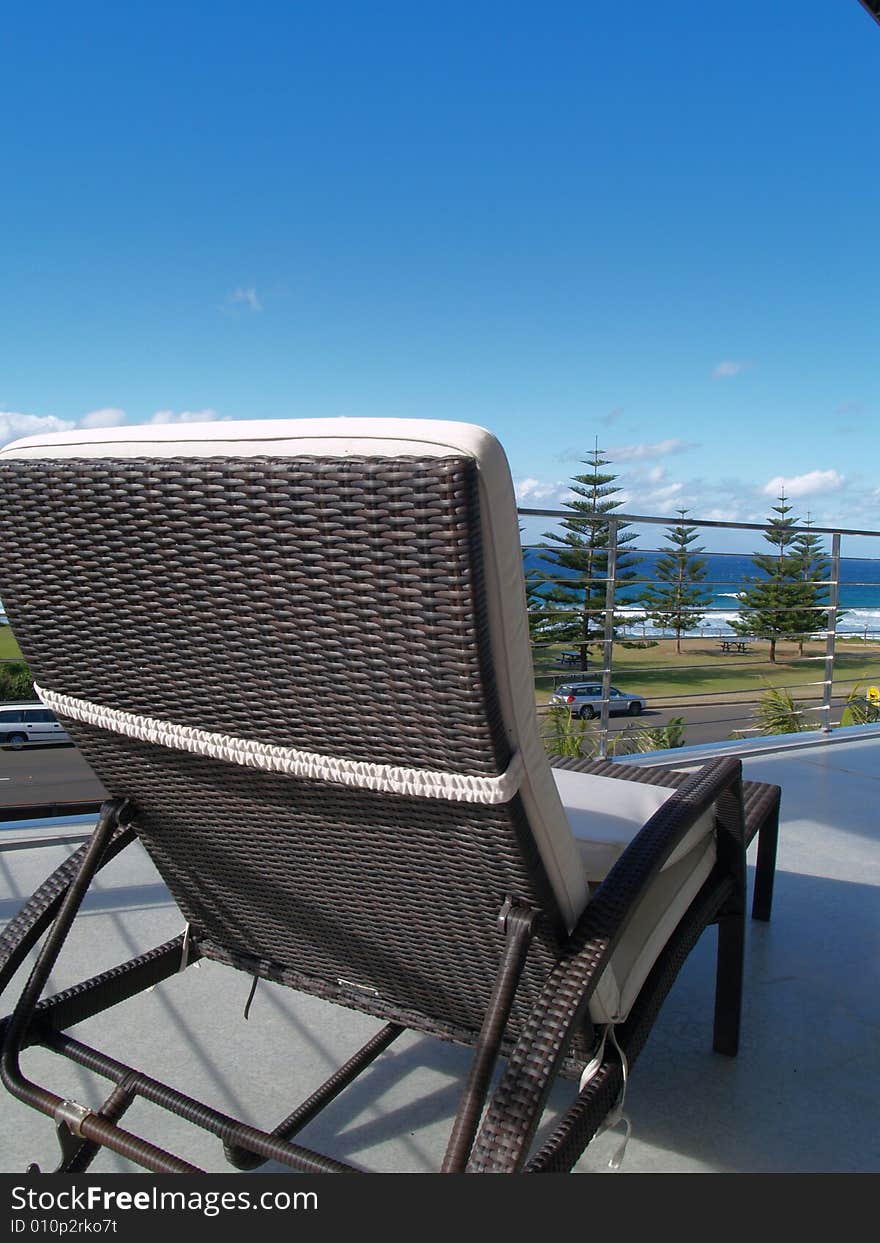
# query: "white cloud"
{"type": "Point", "coordinates": [184, 416]}
{"type": "Point", "coordinates": [14, 424]}
{"type": "Point", "coordinates": [537, 494]}
{"type": "Point", "coordinates": [727, 369]}
{"type": "Point", "coordinates": [611, 417]}
{"type": "Point", "coordinates": [245, 298]}
{"type": "Point", "coordinates": [664, 496]}
{"type": "Point", "coordinates": [107, 416]}
{"type": "Point", "coordinates": [642, 498]}
{"type": "Point", "coordinates": [722, 513]}
{"type": "Point", "coordinates": [813, 482]}
{"type": "Point", "coordinates": [637, 453]}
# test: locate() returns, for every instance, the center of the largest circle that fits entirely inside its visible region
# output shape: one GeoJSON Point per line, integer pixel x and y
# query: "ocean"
{"type": "Point", "coordinates": [859, 600]}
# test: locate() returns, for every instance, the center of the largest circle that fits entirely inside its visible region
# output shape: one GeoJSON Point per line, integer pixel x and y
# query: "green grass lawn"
{"type": "Point", "coordinates": [660, 673]}
{"type": "Point", "coordinates": [8, 645]}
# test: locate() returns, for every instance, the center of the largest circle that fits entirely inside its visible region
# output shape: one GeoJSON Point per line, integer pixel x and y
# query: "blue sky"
{"type": "Point", "coordinates": [648, 225]}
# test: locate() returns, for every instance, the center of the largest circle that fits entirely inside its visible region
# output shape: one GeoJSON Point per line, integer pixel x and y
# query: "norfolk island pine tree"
{"type": "Point", "coordinates": [768, 603]}
{"type": "Point", "coordinates": [813, 571]}
{"type": "Point", "coordinates": [678, 600]}
{"type": "Point", "coordinates": [576, 604]}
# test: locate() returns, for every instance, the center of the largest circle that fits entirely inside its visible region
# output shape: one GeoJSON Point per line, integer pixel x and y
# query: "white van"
{"type": "Point", "coordinates": [21, 723]}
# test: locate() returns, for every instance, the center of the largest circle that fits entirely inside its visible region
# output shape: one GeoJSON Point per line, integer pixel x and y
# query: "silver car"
{"type": "Point", "coordinates": [584, 699]}
{"type": "Point", "coordinates": [21, 723]}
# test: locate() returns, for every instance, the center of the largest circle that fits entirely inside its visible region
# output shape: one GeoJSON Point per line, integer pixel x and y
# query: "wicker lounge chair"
{"type": "Point", "coordinates": [228, 618]}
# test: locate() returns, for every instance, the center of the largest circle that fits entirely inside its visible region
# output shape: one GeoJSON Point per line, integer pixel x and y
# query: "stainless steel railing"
{"type": "Point", "coordinates": [829, 609]}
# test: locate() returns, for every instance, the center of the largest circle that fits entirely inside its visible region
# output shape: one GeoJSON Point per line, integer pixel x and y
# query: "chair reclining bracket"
{"type": "Point", "coordinates": [69, 1117]}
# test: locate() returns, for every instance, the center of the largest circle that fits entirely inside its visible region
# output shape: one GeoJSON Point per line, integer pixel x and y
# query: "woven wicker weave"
{"type": "Point", "coordinates": [329, 606]}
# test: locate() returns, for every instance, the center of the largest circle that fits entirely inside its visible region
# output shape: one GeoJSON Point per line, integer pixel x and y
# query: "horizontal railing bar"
{"type": "Point", "coordinates": [551, 610]}
{"type": "Point", "coordinates": [45, 811]}
{"type": "Point", "coordinates": [33, 841]}
{"type": "Point", "coordinates": [548, 608]}
{"type": "Point", "coordinates": [675, 696]}
{"type": "Point", "coordinates": [532, 572]}
{"type": "Point", "coordinates": [629, 583]}
{"type": "Point", "coordinates": [718, 524]}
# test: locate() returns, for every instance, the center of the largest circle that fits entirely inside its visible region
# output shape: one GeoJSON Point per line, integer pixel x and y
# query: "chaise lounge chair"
{"type": "Point", "coordinates": [229, 619]}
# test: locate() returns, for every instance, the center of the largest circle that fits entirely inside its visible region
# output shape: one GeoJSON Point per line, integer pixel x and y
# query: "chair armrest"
{"type": "Point", "coordinates": [562, 1007]}
{"type": "Point", "coordinates": [718, 784]}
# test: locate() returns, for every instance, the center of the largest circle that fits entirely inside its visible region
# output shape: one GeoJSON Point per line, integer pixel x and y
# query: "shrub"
{"type": "Point", "coordinates": [15, 680]}
{"type": "Point", "coordinates": [660, 738]}
{"type": "Point", "coordinates": [778, 713]}
{"type": "Point", "coordinates": [859, 709]}
{"type": "Point", "coordinates": [567, 735]}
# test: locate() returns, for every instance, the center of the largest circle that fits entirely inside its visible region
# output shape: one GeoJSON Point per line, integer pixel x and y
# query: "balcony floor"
{"type": "Point", "coordinates": [801, 1096]}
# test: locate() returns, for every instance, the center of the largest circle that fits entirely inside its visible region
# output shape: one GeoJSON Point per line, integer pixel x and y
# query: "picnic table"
{"type": "Point", "coordinates": [735, 645]}
{"type": "Point", "coordinates": [569, 658]}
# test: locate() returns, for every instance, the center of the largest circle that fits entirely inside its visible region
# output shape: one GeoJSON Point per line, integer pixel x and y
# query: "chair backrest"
{"type": "Point", "coordinates": [301, 648]}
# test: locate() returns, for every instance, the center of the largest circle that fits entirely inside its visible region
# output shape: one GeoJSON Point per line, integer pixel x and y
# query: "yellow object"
{"type": "Point", "coordinates": [873, 694]}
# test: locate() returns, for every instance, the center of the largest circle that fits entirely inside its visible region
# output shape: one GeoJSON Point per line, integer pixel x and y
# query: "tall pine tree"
{"type": "Point", "coordinates": [813, 568]}
{"type": "Point", "coordinates": [576, 603]}
{"type": "Point", "coordinates": [677, 600]}
{"type": "Point", "coordinates": [767, 606]}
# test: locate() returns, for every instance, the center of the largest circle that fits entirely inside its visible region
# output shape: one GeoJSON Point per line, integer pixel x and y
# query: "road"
{"type": "Point", "coordinates": [46, 775]}
{"type": "Point", "coordinates": [703, 723]}
{"type": "Point", "coordinates": [711, 722]}
{"type": "Point", "coordinates": [58, 774]}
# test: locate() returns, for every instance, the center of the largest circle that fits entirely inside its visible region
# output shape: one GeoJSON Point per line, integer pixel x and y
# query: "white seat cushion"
{"type": "Point", "coordinates": [605, 814]}
{"type": "Point", "coordinates": [649, 930]}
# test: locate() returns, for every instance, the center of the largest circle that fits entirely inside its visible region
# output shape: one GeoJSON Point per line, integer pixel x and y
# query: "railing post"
{"type": "Point", "coordinates": [831, 632]}
{"type": "Point", "coordinates": [608, 642]}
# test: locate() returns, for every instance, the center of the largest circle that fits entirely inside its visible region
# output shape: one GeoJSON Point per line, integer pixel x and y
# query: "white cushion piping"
{"type": "Point", "coordinates": [385, 778]}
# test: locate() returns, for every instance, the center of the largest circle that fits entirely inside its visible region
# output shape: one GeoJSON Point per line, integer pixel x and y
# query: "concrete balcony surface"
{"type": "Point", "coordinates": [801, 1096]}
